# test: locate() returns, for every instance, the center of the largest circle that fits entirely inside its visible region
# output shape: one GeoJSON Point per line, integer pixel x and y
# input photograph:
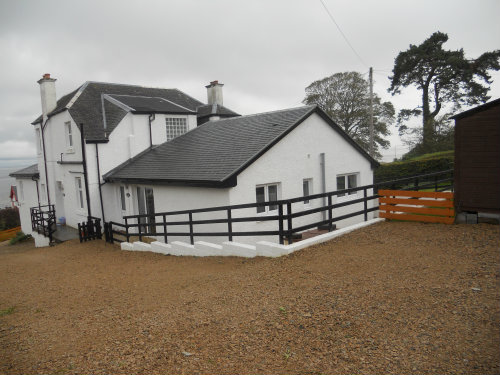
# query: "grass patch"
{"type": "Point", "coordinates": [7, 311]}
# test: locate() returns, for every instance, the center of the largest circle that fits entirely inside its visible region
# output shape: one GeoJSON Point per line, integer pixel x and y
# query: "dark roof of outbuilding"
{"type": "Point", "coordinates": [215, 153]}
{"type": "Point", "coordinates": [86, 104]}
{"type": "Point", "coordinates": [31, 171]}
{"type": "Point", "coordinates": [215, 110]}
{"type": "Point", "coordinates": [479, 108]}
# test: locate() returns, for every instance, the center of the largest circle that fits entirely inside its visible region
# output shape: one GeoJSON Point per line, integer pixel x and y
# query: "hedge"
{"type": "Point", "coordinates": [402, 169]}
{"type": "Point", "coordinates": [9, 218]}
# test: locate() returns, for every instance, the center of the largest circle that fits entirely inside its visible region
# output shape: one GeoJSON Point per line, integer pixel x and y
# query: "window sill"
{"type": "Point", "coordinates": [70, 151]}
{"type": "Point", "coordinates": [264, 214]}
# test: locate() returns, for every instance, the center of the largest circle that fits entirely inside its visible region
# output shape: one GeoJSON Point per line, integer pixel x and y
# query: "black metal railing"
{"type": "Point", "coordinates": [43, 220]}
{"type": "Point", "coordinates": [283, 216]}
{"type": "Point", "coordinates": [90, 229]}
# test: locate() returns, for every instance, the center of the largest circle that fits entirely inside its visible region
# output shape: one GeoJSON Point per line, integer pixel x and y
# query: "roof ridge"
{"type": "Point", "coordinates": [268, 112]}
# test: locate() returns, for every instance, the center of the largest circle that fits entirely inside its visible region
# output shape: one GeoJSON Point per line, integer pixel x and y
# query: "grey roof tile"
{"type": "Point", "coordinates": [149, 104]}
{"type": "Point", "coordinates": [31, 171]}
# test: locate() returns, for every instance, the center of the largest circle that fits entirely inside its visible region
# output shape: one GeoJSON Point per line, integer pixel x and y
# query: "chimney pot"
{"type": "Point", "coordinates": [46, 76]}
{"type": "Point", "coordinates": [214, 93]}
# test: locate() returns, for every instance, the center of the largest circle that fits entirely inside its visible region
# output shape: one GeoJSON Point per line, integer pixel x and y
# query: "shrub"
{"type": "Point", "coordinates": [421, 165]}
{"type": "Point", "coordinates": [9, 218]}
{"type": "Point", "coordinates": [20, 237]}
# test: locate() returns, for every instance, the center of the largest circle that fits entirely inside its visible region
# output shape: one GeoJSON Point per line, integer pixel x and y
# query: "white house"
{"type": "Point", "coordinates": [109, 150]}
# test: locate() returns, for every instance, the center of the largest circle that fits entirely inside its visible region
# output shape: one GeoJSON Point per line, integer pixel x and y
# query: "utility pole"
{"type": "Point", "coordinates": [372, 148]}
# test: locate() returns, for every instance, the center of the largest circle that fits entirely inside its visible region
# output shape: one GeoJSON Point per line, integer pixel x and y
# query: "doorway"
{"type": "Point", "coordinates": [146, 206]}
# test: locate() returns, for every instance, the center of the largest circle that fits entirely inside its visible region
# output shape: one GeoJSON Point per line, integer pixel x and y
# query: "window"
{"type": "Point", "coordinates": [266, 193]}
{"type": "Point", "coordinates": [347, 181]}
{"type": "Point", "coordinates": [44, 193]}
{"type": "Point", "coordinates": [307, 189]}
{"type": "Point", "coordinates": [122, 198]}
{"type": "Point", "coordinates": [69, 135]}
{"type": "Point", "coordinates": [38, 142]}
{"type": "Point", "coordinates": [79, 192]}
{"type": "Point", "coordinates": [175, 126]}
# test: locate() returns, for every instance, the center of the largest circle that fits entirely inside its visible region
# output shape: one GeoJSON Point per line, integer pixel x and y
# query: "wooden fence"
{"type": "Point", "coordinates": [425, 206]}
{"type": "Point", "coordinates": [90, 229]}
{"type": "Point", "coordinates": [9, 233]}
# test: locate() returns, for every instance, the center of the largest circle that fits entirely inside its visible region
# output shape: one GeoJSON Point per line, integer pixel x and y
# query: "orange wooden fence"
{"type": "Point", "coordinates": [9, 233]}
{"type": "Point", "coordinates": [412, 206]}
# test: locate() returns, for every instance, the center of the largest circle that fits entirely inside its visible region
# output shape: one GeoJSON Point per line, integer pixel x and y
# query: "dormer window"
{"type": "Point", "coordinates": [176, 126]}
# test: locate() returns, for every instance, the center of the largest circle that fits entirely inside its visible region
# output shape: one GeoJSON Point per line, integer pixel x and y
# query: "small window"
{"type": "Point", "coordinates": [307, 189]}
{"type": "Point", "coordinates": [38, 142]}
{"type": "Point", "coordinates": [122, 198]}
{"type": "Point", "coordinates": [79, 192]}
{"type": "Point", "coordinates": [348, 181]}
{"type": "Point", "coordinates": [266, 193]}
{"type": "Point", "coordinates": [69, 135]}
{"type": "Point", "coordinates": [44, 193]}
{"type": "Point", "coordinates": [176, 126]}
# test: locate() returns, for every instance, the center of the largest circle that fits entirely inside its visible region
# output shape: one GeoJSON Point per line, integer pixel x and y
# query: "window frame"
{"type": "Point", "coordinates": [38, 141]}
{"type": "Point", "coordinates": [68, 132]}
{"type": "Point", "coordinates": [173, 130]}
{"type": "Point", "coordinates": [309, 182]}
{"type": "Point", "coordinates": [123, 198]}
{"type": "Point", "coordinates": [79, 193]}
{"type": "Point", "coordinates": [268, 208]}
{"type": "Point", "coordinates": [345, 177]}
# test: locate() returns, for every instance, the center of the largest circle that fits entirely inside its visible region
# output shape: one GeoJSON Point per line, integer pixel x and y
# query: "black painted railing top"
{"type": "Point", "coordinates": [283, 215]}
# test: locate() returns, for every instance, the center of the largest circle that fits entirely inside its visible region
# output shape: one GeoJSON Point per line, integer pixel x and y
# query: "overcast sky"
{"type": "Point", "coordinates": [265, 52]}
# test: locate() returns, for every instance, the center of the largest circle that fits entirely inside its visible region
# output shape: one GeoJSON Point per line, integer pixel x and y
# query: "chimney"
{"type": "Point", "coordinates": [214, 93]}
{"type": "Point", "coordinates": [47, 94]}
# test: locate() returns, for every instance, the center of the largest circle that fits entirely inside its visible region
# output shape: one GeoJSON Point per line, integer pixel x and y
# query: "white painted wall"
{"type": "Point", "coordinates": [26, 201]}
{"type": "Point", "coordinates": [297, 157]}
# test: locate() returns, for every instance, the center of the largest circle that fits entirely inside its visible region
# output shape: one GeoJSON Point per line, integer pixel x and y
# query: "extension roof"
{"type": "Point", "coordinates": [215, 110]}
{"type": "Point", "coordinates": [99, 116]}
{"type": "Point", "coordinates": [474, 110]}
{"type": "Point", "coordinates": [28, 172]}
{"type": "Point", "coordinates": [215, 153]}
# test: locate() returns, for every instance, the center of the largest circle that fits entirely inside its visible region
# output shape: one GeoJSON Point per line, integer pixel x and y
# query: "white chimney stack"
{"type": "Point", "coordinates": [47, 94]}
{"type": "Point", "coordinates": [214, 92]}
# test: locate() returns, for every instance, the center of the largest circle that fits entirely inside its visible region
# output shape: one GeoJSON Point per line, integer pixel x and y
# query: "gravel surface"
{"type": "Point", "coordinates": [398, 298]}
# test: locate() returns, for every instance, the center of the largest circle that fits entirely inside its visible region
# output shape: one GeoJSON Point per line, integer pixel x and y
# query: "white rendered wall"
{"type": "Point", "coordinates": [297, 157]}
{"type": "Point", "coordinates": [26, 201]}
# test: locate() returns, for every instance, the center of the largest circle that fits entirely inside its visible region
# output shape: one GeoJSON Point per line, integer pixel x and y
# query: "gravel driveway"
{"type": "Point", "coordinates": [395, 298]}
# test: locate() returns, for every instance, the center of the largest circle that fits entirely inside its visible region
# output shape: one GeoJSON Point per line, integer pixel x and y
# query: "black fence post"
{"type": "Point", "coordinates": [330, 213]}
{"type": "Point", "coordinates": [126, 230]}
{"type": "Point", "coordinates": [365, 204]}
{"type": "Point", "coordinates": [140, 229]}
{"type": "Point", "coordinates": [80, 232]}
{"type": "Point", "coordinates": [229, 225]}
{"type": "Point", "coordinates": [289, 221]}
{"type": "Point", "coordinates": [280, 223]}
{"type": "Point", "coordinates": [165, 228]}
{"type": "Point", "coordinates": [191, 236]}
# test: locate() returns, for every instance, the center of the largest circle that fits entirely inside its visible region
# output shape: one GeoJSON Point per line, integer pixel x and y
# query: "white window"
{"type": "Point", "coordinates": [123, 202]}
{"type": "Point", "coordinates": [175, 126]}
{"type": "Point", "coordinates": [69, 136]}
{"type": "Point", "coordinates": [20, 192]}
{"type": "Point", "coordinates": [79, 192]}
{"type": "Point", "coordinates": [347, 181]}
{"type": "Point", "coordinates": [38, 142]}
{"type": "Point", "coordinates": [44, 193]}
{"type": "Point", "coordinates": [307, 189]}
{"type": "Point", "coordinates": [266, 193]}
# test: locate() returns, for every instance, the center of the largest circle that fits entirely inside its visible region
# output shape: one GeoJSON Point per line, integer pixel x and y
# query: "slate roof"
{"type": "Point", "coordinates": [215, 109]}
{"type": "Point", "coordinates": [31, 171]}
{"type": "Point", "coordinates": [86, 105]}
{"type": "Point", "coordinates": [147, 104]}
{"type": "Point", "coordinates": [474, 110]}
{"type": "Point", "coordinates": [215, 153]}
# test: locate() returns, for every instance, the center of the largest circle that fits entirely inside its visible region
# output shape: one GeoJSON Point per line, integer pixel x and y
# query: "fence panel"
{"type": "Point", "coordinates": [412, 206]}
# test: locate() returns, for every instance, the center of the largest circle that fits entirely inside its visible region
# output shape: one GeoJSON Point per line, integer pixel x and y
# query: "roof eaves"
{"type": "Point", "coordinates": [474, 110]}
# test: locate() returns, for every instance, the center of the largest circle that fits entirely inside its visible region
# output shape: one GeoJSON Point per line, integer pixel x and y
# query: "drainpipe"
{"type": "Point", "coordinates": [99, 180]}
{"type": "Point", "coordinates": [151, 118]}
{"type": "Point", "coordinates": [42, 127]}
{"type": "Point", "coordinates": [323, 179]}
{"type": "Point", "coordinates": [85, 177]}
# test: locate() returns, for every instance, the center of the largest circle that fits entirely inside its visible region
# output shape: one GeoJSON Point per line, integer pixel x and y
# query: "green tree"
{"type": "Point", "coordinates": [345, 97]}
{"type": "Point", "coordinates": [444, 78]}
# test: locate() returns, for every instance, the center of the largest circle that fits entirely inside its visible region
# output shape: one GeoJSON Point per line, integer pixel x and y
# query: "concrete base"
{"type": "Point", "coordinates": [231, 248]}
{"type": "Point", "coordinates": [40, 240]}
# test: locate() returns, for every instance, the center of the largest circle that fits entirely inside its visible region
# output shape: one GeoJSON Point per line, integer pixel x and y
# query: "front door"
{"type": "Point", "coordinates": [146, 205]}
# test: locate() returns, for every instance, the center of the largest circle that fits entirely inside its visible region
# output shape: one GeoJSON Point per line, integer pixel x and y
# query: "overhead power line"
{"type": "Point", "coordinates": [343, 35]}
